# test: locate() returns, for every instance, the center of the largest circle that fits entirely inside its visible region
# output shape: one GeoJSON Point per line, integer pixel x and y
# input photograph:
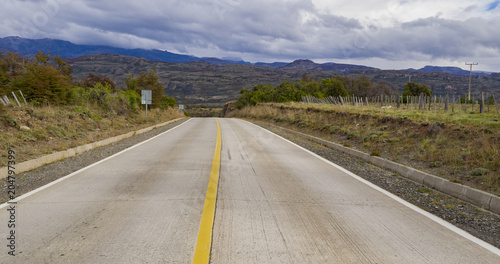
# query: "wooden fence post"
{"type": "Point", "coordinates": [453, 104]}
{"type": "Point", "coordinates": [447, 103]}
{"type": "Point", "coordinates": [465, 105]}
{"type": "Point", "coordinates": [481, 104]}
{"type": "Point", "coordinates": [473, 102]}
{"type": "Point", "coordinates": [495, 102]}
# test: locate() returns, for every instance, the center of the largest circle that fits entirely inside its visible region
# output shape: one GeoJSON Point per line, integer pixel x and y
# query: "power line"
{"type": "Point", "coordinates": [470, 76]}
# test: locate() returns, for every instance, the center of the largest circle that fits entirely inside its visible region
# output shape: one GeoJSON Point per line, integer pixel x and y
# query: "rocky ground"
{"type": "Point", "coordinates": [478, 222]}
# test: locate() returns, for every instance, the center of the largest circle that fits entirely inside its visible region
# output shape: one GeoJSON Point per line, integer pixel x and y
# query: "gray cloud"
{"type": "Point", "coordinates": [271, 29]}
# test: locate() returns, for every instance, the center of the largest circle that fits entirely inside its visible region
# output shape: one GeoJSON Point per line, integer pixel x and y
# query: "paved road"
{"type": "Point", "coordinates": [276, 204]}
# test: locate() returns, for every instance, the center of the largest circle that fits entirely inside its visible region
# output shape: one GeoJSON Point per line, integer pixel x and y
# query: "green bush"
{"type": "Point", "coordinates": [479, 172]}
{"type": "Point", "coordinates": [131, 98]}
{"type": "Point", "coordinates": [166, 102]}
{"type": "Point", "coordinates": [352, 135]}
{"type": "Point", "coordinates": [10, 121]}
{"type": "Point", "coordinates": [76, 96]}
{"type": "Point", "coordinates": [100, 94]}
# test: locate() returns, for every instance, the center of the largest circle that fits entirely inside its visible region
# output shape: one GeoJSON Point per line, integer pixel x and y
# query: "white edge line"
{"type": "Point", "coordinates": [17, 199]}
{"type": "Point", "coordinates": [435, 218]}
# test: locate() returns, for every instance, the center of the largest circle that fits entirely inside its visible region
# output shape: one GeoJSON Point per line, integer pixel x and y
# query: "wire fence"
{"type": "Point", "coordinates": [422, 102]}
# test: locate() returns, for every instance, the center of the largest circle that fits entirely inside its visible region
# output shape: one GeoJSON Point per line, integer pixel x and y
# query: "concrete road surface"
{"type": "Point", "coordinates": [277, 203]}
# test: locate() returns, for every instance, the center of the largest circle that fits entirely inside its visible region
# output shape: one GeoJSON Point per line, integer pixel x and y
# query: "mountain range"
{"type": "Point", "coordinates": [212, 80]}
{"type": "Point", "coordinates": [65, 49]}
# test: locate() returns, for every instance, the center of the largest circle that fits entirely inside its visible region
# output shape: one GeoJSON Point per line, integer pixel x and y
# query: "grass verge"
{"type": "Point", "coordinates": [41, 130]}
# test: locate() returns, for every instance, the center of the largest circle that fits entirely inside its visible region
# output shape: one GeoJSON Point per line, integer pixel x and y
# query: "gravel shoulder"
{"type": "Point", "coordinates": [478, 222]}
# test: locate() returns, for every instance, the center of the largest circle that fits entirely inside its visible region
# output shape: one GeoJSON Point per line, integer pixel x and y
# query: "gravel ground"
{"type": "Point", "coordinates": [480, 223]}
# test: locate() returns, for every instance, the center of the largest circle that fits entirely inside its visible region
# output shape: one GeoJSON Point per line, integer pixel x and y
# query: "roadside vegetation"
{"type": "Point", "coordinates": [335, 86]}
{"type": "Point", "coordinates": [203, 110]}
{"type": "Point", "coordinates": [56, 112]}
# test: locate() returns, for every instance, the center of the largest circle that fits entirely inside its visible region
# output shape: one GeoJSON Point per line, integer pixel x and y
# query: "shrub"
{"type": "Point", "coordinates": [76, 96]}
{"type": "Point", "coordinates": [166, 102]}
{"type": "Point", "coordinates": [352, 135]}
{"type": "Point", "coordinates": [10, 121]}
{"type": "Point", "coordinates": [436, 164]}
{"type": "Point", "coordinates": [131, 98]}
{"type": "Point", "coordinates": [479, 172]}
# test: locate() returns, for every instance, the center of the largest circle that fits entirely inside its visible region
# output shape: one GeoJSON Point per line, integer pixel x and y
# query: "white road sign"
{"type": "Point", "coordinates": [146, 97]}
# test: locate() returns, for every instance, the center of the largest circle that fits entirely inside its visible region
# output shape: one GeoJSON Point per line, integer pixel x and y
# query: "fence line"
{"type": "Point", "coordinates": [422, 102]}
{"type": "Point", "coordinates": [6, 101]}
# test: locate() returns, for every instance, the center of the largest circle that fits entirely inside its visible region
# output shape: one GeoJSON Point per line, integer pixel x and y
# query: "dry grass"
{"type": "Point", "coordinates": [451, 145]}
{"type": "Point", "coordinates": [59, 128]}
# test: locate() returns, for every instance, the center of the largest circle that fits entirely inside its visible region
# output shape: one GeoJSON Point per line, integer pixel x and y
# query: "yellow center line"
{"type": "Point", "coordinates": [204, 243]}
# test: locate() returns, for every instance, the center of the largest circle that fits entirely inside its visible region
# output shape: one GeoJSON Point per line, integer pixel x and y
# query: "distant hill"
{"type": "Point", "coordinates": [302, 65]}
{"type": "Point", "coordinates": [450, 70]}
{"type": "Point", "coordinates": [202, 82]}
{"type": "Point", "coordinates": [272, 65]}
{"type": "Point", "coordinates": [191, 82]}
{"type": "Point", "coordinates": [211, 80]}
{"type": "Point", "coordinates": [66, 49]}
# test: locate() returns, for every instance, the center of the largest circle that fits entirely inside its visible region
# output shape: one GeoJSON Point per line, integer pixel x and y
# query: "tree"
{"type": "Point", "coordinates": [167, 101]}
{"type": "Point", "coordinates": [244, 98]}
{"type": "Point", "coordinates": [39, 81]}
{"type": "Point", "coordinates": [42, 58]}
{"type": "Point", "coordinates": [310, 88]}
{"type": "Point", "coordinates": [333, 87]}
{"type": "Point", "coordinates": [4, 76]}
{"type": "Point", "coordinates": [261, 93]}
{"type": "Point", "coordinates": [415, 89]}
{"type": "Point", "coordinates": [11, 65]}
{"type": "Point", "coordinates": [146, 81]}
{"type": "Point", "coordinates": [490, 100]}
{"type": "Point", "coordinates": [93, 79]}
{"type": "Point", "coordinates": [359, 86]}
{"type": "Point", "coordinates": [43, 83]}
{"type": "Point", "coordinates": [286, 92]}
{"type": "Point", "coordinates": [131, 82]}
{"type": "Point", "coordinates": [63, 66]}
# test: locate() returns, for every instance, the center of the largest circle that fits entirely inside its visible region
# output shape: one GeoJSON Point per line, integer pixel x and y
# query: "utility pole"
{"type": "Point", "coordinates": [409, 77]}
{"type": "Point", "coordinates": [470, 76]}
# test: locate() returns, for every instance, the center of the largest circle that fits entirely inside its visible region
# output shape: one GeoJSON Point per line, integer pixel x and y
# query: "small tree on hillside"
{"type": "Point", "coordinates": [11, 65]}
{"type": "Point", "coordinates": [147, 81]}
{"type": "Point", "coordinates": [40, 81]}
{"type": "Point", "coordinates": [415, 89]}
{"type": "Point", "coordinates": [333, 87]}
{"type": "Point", "coordinates": [93, 79]}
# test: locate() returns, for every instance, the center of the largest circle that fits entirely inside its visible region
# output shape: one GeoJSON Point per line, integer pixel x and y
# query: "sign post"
{"type": "Point", "coordinates": [146, 99]}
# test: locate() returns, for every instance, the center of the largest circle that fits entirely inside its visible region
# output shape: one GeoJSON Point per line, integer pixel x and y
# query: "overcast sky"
{"type": "Point", "coordinates": [381, 33]}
